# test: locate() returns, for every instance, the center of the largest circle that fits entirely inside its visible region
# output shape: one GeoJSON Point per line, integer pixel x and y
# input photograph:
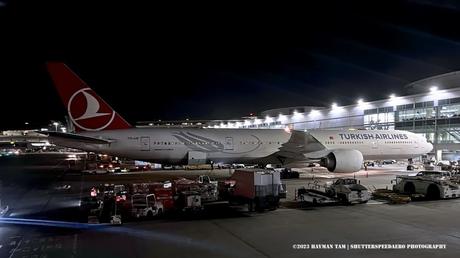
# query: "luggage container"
{"type": "Point", "coordinates": [258, 188]}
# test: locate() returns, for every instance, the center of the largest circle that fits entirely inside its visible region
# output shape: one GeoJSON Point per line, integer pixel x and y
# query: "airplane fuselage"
{"type": "Point", "coordinates": [173, 145]}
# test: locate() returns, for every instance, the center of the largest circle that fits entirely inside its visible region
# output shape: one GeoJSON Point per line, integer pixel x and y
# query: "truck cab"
{"type": "Point", "coordinates": [146, 205]}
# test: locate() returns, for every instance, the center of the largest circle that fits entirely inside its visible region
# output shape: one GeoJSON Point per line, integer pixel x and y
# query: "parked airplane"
{"type": "Point", "coordinates": [100, 129]}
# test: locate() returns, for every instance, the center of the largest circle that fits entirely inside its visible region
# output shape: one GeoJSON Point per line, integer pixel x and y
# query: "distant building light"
{"type": "Point", "coordinates": [336, 108]}
{"type": "Point", "coordinates": [281, 117]}
{"type": "Point", "coordinates": [433, 89]}
{"type": "Point", "coordinates": [314, 112]}
{"type": "Point", "coordinates": [268, 119]}
{"type": "Point", "coordinates": [40, 144]}
{"type": "Point", "coordinates": [297, 115]}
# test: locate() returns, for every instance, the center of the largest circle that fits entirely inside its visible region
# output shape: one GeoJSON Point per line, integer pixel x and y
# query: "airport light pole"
{"type": "Point", "coordinates": [435, 140]}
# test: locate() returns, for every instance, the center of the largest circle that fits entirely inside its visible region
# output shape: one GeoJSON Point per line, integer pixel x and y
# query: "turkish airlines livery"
{"type": "Point", "coordinates": [100, 129]}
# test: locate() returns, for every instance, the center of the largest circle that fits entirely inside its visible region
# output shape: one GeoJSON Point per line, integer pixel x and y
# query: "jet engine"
{"type": "Point", "coordinates": [343, 161]}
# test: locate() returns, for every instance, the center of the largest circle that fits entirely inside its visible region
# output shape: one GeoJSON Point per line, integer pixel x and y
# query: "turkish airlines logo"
{"type": "Point", "coordinates": [91, 116]}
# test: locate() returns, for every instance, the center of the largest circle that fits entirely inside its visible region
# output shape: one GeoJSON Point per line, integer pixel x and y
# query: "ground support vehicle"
{"type": "Point", "coordinates": [208, 189]}
{"type": "Point", "coordinates": [432, 184]}
{"type": "Point", "coordinates": [343, 190]}
{"type": "Point", "coordinates": [315, 196]}
{"type": "Point", "coordinates": [349, 191]}
{"type": "Point", "coordinates": [146, 206]}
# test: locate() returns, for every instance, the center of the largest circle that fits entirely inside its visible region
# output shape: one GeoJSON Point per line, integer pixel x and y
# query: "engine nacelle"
{"type": "Point", "coordinates": [343, 161]}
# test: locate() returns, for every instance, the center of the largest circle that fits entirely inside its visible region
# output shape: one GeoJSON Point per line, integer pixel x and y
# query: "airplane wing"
{"type": "Point", "coordinates": [301, 147]}
{"type": "Point", "coordinates": [74, 138]}
{"type": "Point", "coordinates": [22, 138]}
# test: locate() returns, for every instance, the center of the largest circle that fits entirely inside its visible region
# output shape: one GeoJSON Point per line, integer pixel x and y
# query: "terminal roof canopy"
{"type": "Point", "coordinates": [442, 81]}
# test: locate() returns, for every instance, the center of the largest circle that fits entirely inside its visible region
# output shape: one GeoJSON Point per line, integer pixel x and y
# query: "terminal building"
{"type": "Point", "coordinates": [430, 108]}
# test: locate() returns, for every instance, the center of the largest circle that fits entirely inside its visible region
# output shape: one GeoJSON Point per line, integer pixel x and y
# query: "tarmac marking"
{"type": "Point", "coordinates": [16, 248]}
{"type": "Point", "coordinates": [40, 246]}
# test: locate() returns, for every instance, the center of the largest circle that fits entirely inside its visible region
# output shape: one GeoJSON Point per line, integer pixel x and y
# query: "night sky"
{"type": "Point", "coordinates": [219, 61]}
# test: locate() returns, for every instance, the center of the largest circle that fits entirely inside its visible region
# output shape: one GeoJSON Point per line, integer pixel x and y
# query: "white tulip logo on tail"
{"type": "Point", "coordinates": [91, 116]}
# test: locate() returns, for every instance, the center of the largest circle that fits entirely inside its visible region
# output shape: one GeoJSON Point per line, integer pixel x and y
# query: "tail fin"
{"type": "Point", "coordinates": [86, 109]}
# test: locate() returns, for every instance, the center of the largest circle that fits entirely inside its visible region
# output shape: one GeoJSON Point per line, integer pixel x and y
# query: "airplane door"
{"type": "Point", "coordinates": [145, 143]}
{"type": "Point", "coordinates": [228, 144]}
